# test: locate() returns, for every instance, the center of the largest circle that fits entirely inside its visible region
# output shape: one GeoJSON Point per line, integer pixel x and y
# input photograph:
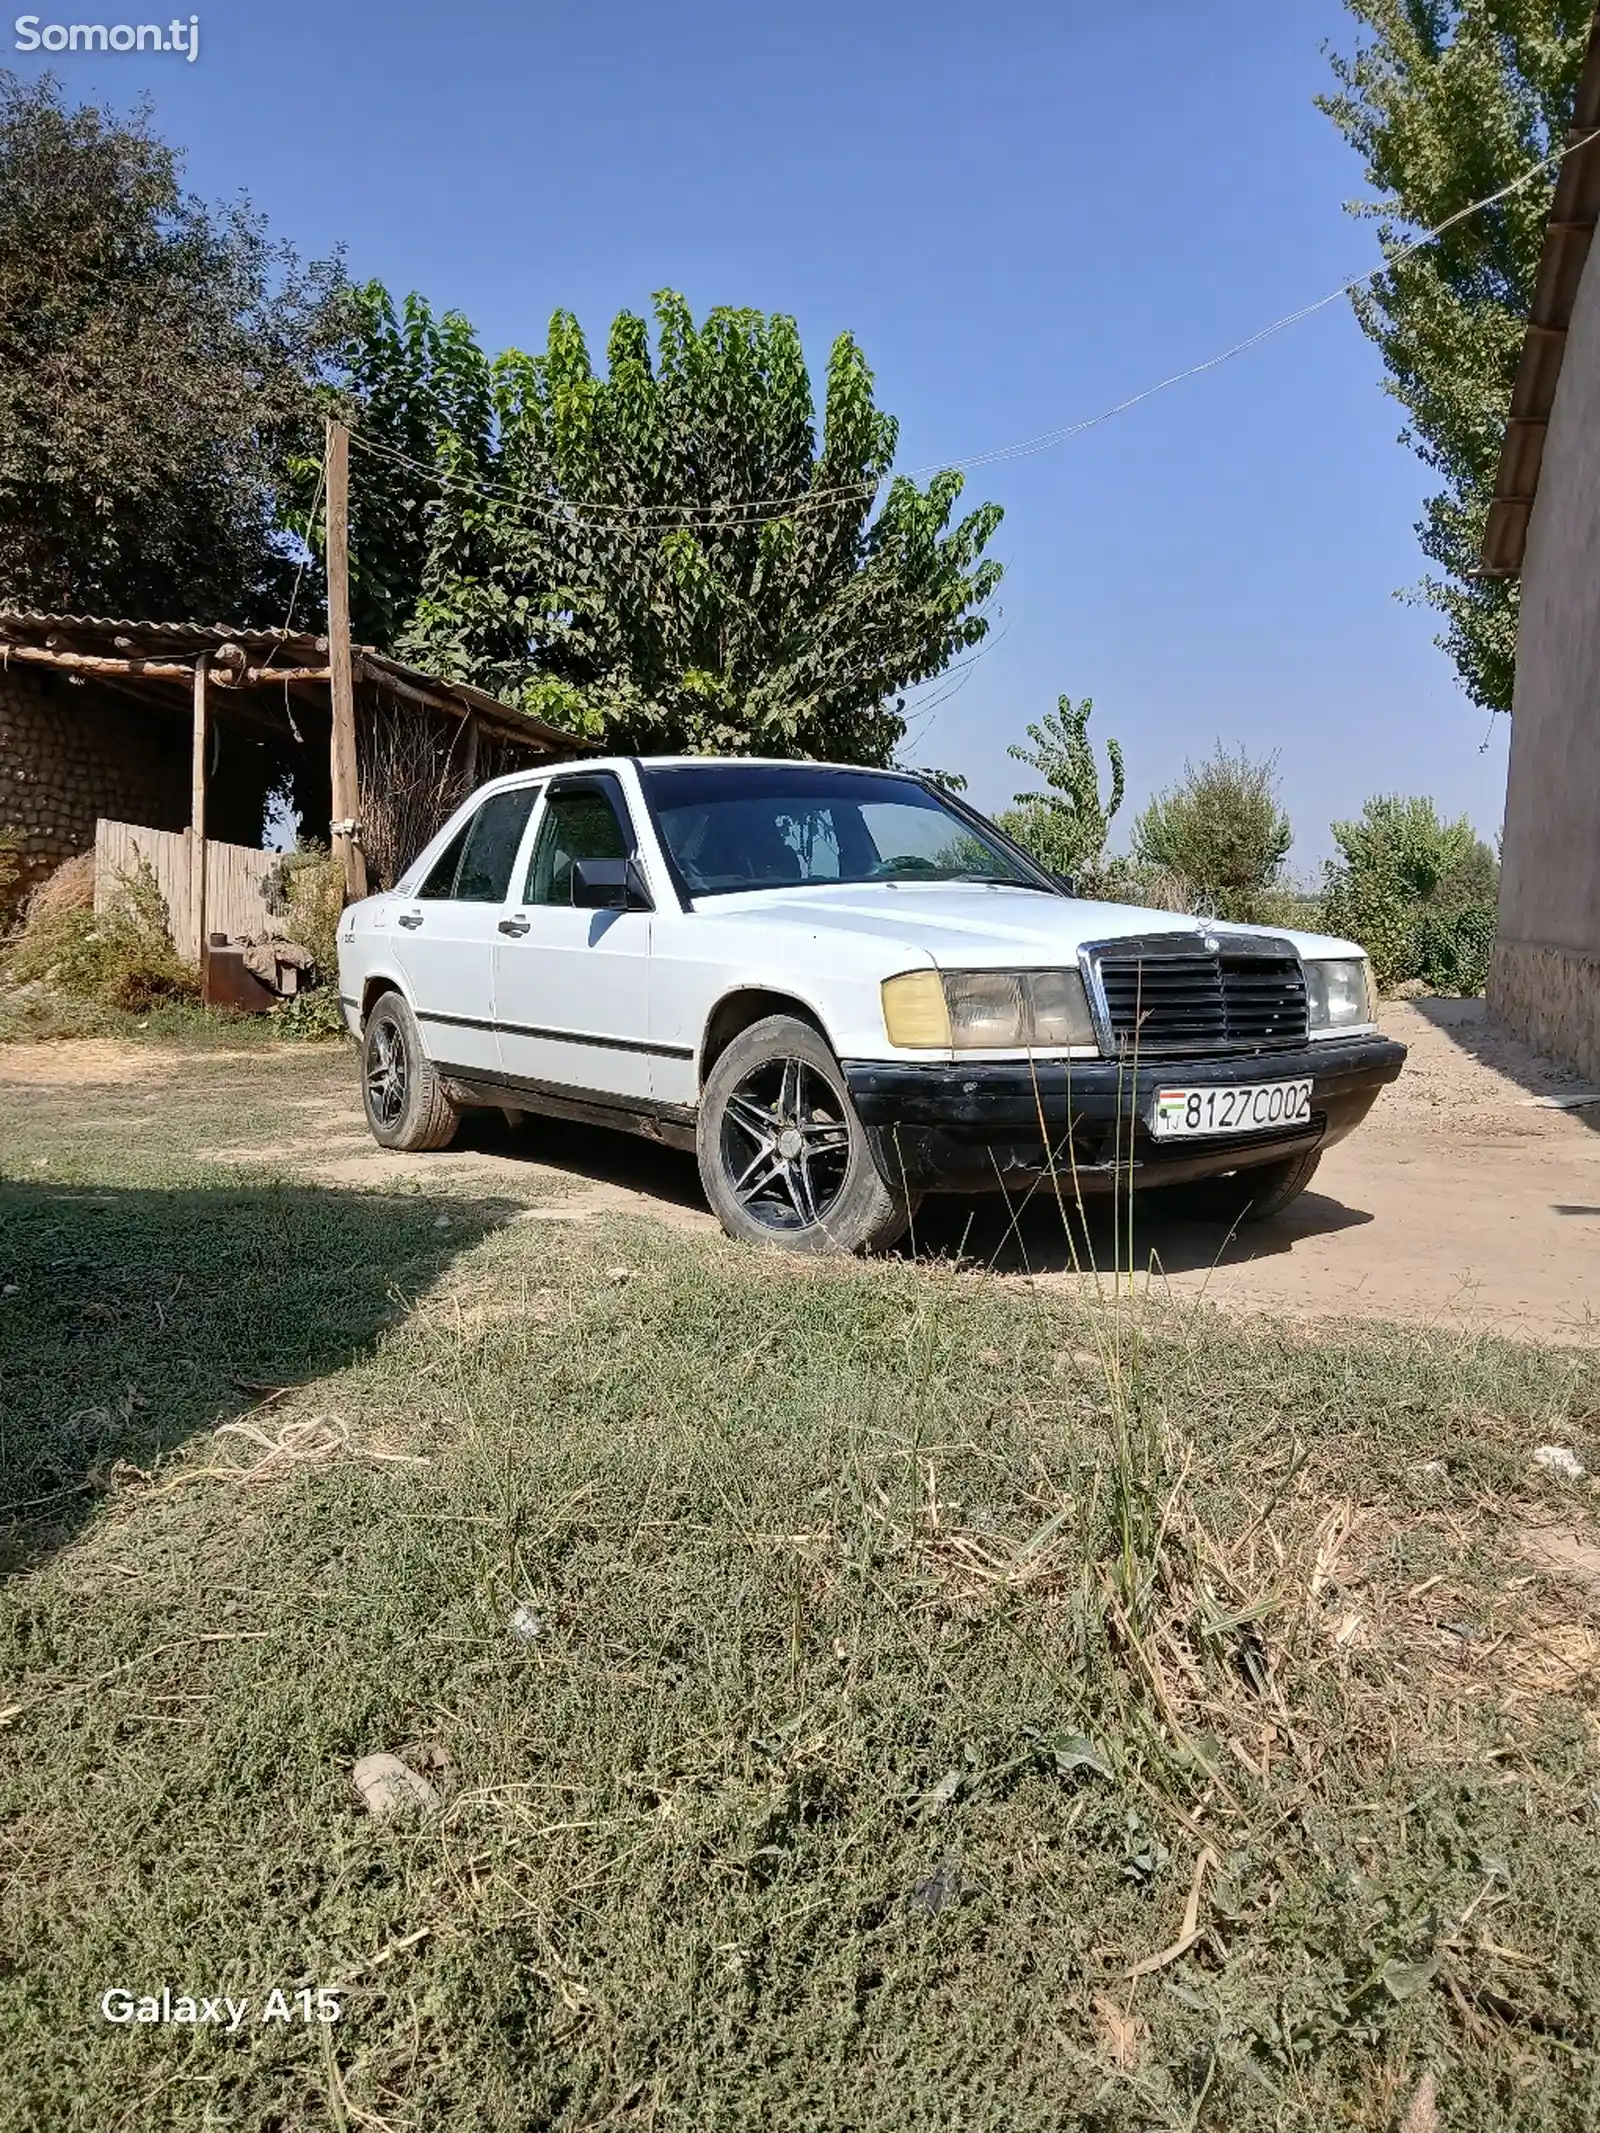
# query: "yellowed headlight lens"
{"type": "Point", "coordinates": [914, 1012]}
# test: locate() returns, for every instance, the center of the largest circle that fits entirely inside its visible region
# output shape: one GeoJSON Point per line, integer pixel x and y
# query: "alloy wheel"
{"type": "Point", "coordinates": [785, 1145]}
{"type": "Point", "coordinates": [387, 1077]}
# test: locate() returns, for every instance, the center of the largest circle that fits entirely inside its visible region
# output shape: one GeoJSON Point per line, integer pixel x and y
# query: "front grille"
{"type": "Point", "coordinates": [1164, 1003]}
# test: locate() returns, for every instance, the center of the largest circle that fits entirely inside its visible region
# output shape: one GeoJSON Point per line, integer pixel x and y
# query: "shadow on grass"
{"type": "Point", "coordinates": [1468, 1024]}
{"type": "Point", "coordinates": [596, 1154]}
{"type": "Point", "coordinates": [1025, 1235]}
{"type": "Point", "coordinates": [131, 1318]}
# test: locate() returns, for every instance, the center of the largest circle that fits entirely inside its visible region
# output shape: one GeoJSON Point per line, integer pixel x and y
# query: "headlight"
{"type": "Point", "coordinates": [987, 1011]}
{"type": "Point", "coordinates": [1338, 994]}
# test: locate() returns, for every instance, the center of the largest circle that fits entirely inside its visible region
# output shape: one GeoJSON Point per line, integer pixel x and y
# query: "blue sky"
{"type": "Point", "coordinates": [1024, 212]}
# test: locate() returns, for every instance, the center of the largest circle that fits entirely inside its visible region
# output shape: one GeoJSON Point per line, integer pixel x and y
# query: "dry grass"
{"type": "Point", "coordinates": [883, 1698]}
{"type": "Point", "coordinates": [69, 888]}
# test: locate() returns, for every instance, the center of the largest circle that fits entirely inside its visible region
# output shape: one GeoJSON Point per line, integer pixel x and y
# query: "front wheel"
{"type": "Point", "coordinates": [783, 1156]}
{"type": "Point", "coordinates": [1253, 1195]}
{"type": "Point", "coordinates": [405, 1104]}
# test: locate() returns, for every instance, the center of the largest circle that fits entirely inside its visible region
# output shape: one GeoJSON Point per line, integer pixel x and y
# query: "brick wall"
{"type": "Point", "coordinates": [70, 753]}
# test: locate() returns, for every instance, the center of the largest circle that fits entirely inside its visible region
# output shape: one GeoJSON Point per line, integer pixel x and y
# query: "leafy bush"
{"type": "Point", "coordinates": [310, 1015]}
{"type": "Point", "coordinates": [1121, 880]}
{"type": "Point", "coordinates": [305, 895]}
{"type": "Point", "coordinates": [1454, 947]}
{"type": "Point", "coordinates": [1222, 830]}
{"type": "Point", "coordinates": [1417, 892]}
{"type": "Point", "coordinates": [122, 957]}
{"type": "Point", "coordinates": [1065, 827]}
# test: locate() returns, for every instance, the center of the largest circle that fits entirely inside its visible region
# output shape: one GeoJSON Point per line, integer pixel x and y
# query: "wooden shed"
{"type": "Point", "coordinates": [198, 727]}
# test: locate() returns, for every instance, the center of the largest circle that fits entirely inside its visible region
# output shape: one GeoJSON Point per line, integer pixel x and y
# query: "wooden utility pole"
{"type": "Point", "coordinates": [342, 756]}
{"type": "Point", "coordinates": [197, 816]}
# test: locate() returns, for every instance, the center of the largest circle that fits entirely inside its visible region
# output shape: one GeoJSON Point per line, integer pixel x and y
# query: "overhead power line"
{"type": "Point", "coordinates": [737, 513]}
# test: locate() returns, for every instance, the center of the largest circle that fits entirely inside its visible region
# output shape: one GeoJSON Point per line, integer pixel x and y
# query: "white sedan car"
{"type": "Point", "coordinates": [843, 989]}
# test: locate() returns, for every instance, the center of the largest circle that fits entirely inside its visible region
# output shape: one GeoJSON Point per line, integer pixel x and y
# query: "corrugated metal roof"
{"type": "Point", "coordinates": [164, 636]}
{"type": "Point", "coordinates": [112, 638]}
{"type": "Point", "coordinates": [1574, 212]}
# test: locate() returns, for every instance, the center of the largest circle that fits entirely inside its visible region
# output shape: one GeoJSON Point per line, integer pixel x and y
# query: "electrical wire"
{"type": "Point", "coordinates": [305, 538]}
{"type": "Point", "coordinates": [739, 513]}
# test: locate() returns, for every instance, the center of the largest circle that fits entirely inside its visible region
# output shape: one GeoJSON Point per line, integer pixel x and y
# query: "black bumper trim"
{"type": "Point", "coordinates": [975, 1127]}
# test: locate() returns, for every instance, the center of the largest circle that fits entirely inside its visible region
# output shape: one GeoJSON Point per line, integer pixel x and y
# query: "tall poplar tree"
{"type": "Point", "coordinates": [1446, 101]}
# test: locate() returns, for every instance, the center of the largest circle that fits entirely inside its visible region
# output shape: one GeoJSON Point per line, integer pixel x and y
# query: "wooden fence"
{"type": "Point", "coordinates": [236, 879]}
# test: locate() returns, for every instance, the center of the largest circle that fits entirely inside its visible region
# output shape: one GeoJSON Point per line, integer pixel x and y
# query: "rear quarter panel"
{"type": "Point", "coordinates": [367, 956]}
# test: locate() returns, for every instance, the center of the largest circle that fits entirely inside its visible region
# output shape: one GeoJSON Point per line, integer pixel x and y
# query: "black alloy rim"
{"type": "Point", "coordinates": [786, 1145]}
{"type": "Point", "coordinates": [386, 1077]}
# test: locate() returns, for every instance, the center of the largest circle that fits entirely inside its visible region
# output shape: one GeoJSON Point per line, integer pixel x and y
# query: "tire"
{"type": "Point", "coordinates": [784, 1158]}
{"type": "Point", "coordinates": [1253, 1195]}
{"type": "Point", "coordinates": [401, 1093]}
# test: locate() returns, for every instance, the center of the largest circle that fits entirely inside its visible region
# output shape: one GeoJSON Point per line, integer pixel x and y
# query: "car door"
{"type": "Point", "coordinates": [571, 984]}
{"type": "Point", "coordinates": [447, 933]}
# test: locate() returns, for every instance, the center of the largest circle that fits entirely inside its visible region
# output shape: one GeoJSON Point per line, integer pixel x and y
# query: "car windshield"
{"type": "Point", "coordinates": [772, 826]}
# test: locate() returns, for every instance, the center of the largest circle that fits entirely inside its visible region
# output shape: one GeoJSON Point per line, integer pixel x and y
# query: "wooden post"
{"type": "Point", "coordinates": [342, 756]}
{"type": "Point", "coordinates": [197, 817]}
{"type": "Point", "coordinates": [470, 765]}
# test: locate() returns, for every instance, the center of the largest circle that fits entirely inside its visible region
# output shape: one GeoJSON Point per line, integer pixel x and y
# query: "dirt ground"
{"type": "Point", "coordinates": [1462, 1200]}
{"type": "Point", "coordinates": [1469, 1198]}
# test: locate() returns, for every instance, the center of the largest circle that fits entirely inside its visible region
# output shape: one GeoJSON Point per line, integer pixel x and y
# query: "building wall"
{"type": "Point", "coordinates": [1545, 981]}
{"type": "Point", "coordinates": [70, 753]}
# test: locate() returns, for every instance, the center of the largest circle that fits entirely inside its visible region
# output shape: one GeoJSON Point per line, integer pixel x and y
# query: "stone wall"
{"type": "Point", "coordinates": [1551, 998]}
{"type": "Point", "coordinates": [72, 752]}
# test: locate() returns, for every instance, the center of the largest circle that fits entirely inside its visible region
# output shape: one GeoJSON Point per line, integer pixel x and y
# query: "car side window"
{"type": "Point", "coordinates": [580, 822]}
{"type": "Point", "coordinates": [490, 853]}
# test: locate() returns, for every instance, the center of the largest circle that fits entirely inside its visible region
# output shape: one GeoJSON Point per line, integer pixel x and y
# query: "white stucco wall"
{"type": "Point", "coordinates": [1546, 981]}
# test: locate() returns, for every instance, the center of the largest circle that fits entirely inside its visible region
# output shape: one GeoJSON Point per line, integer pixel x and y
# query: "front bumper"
{"type": "Point", "coordinates": [991, 1126]}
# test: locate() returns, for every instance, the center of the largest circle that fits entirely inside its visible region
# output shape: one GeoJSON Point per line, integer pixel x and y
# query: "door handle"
{"type": "Point", "coordinates": [516, 927]}
{"type": "Point", "coordinates": [410, 920]}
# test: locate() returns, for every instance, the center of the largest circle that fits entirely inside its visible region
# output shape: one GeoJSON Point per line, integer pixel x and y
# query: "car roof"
{"type": "Point", "coordinates": [754, 762]}
{"type": "Point", "coordinates": [587, 765]}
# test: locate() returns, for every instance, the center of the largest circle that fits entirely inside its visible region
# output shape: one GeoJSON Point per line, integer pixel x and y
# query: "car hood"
{"type": "Point", "coordinates": [964, 925]}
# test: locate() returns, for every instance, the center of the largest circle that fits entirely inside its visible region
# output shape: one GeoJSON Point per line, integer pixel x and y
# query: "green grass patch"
{"type": "Point", "coordinates": [38, 1014]}
{"type": "Point", "coordinates": [904, 1660]}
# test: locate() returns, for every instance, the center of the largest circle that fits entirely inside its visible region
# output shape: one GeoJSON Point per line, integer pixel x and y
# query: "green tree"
{"type": "Point", "coordinates": [159, 365]}
{"type": "Point", "coordinates": [1416, 891]}
{"type": "Point", "coordinates": [1221, 829]}
{"type": "Point", "coordinates": [672, 555]}
{"type": "Point", "coordinates": [1066, 825]}
{"type": "Point", "coordinates": [1446, 101]}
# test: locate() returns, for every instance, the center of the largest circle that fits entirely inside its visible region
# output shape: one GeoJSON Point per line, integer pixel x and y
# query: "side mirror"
{"type": "Point", "coordinates": [1065, 883]}
{"type": "Point", "coordinates": [609, 885]}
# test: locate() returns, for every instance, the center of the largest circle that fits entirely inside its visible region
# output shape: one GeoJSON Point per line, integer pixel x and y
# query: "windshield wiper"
{"type": "Point", "coordinates": [1005, 881]}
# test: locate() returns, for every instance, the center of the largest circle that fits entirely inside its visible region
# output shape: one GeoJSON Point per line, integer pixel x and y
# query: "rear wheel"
{"type": "Point", "coordinates": [783, 1156]}
{"type": "Point", "coordinates": [1253, 1195]}
{"type": "Point", "coordinates": [401, 1093]}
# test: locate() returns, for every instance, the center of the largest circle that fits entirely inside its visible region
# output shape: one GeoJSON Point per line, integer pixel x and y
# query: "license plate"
{"type": "Point", "coordinates": [1191, 1114]}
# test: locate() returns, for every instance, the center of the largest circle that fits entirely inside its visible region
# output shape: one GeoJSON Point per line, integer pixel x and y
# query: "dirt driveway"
{"type": "Point", "coordinates": [1468, 1198]}
{"type": "Point", "coordinates": [1465, 1199]}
